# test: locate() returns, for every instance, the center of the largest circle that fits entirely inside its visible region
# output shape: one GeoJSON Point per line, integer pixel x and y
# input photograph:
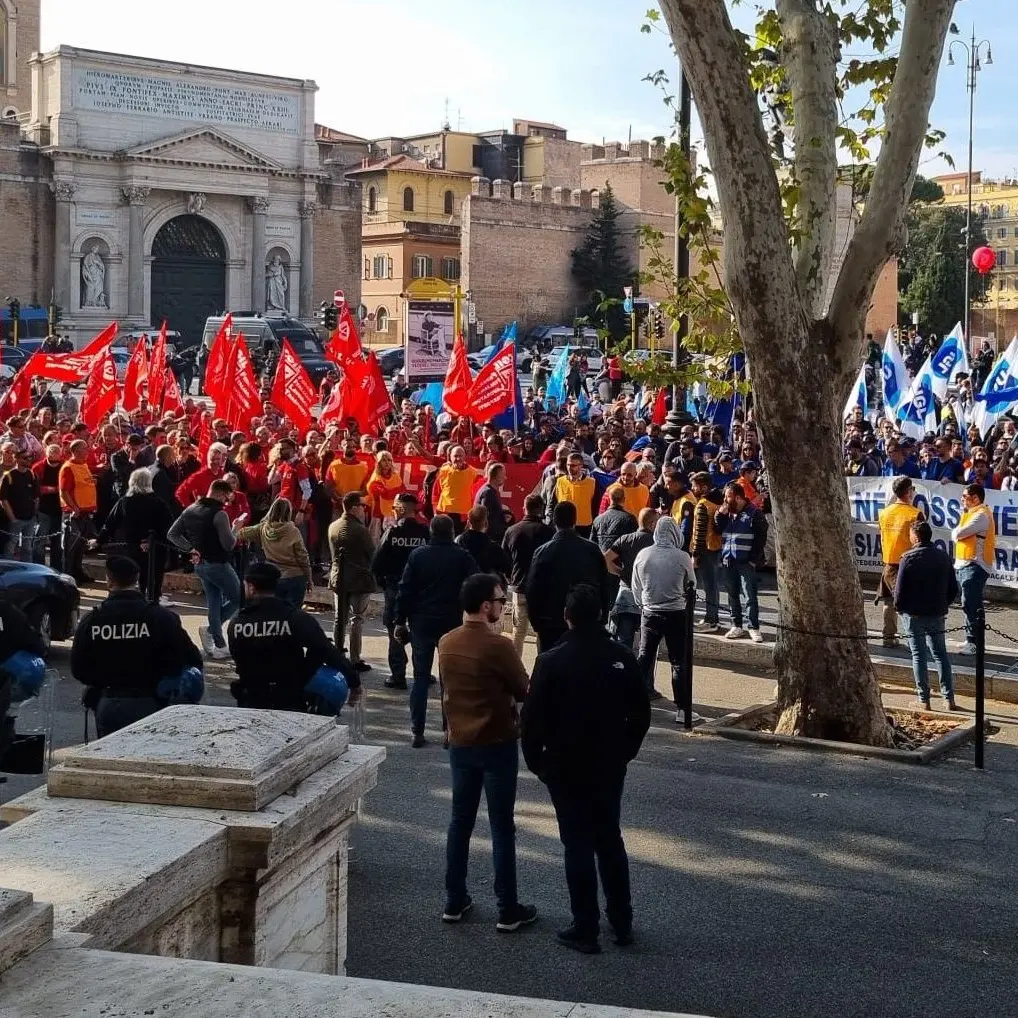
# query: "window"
{"type": "Point", "coordinates": [476, 156]}
{"type": "Point", "coordinates": [1002, 233]}
{"type": "Point", "coordinates": [1016, 231]}
{"type": "Point", "coordinates": [408, 199]}
{"type": "Point", "coordinates": [449, 199]}
{"type": "Point", "coordinates": [367, 268]}
{"type": "Point", "coordinates": [999, 211]}
{"type": "Point", "coordinates": [372, 200]}
{"type": "Point", "coordinates": [984, 211]}
{"type": "Point", "coordinates": [450, 268]}
{"type": "Point", "coordinates": [381, 320]}
{"type": "Point", "coordinates": [422, 266]}
{"type": "Point", "coordinates": [1001, 258]}
{"type": "Point", "coordinates": [379, 267]}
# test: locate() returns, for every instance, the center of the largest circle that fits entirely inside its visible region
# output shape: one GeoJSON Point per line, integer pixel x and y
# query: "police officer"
{"type": "Point", "coordinates": [388, 564]}
{"type": "Point", "coordinates": [16, 633]}
{"type": "Point", "coordinates": [277, 648]}
{"type": "Point", "coordinates": [115, 646]}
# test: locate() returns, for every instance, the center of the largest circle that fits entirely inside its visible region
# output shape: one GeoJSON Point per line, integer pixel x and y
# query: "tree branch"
{"type": "Point", "coordinates": [759, 275]}
{"type": "Point", "coordinates": [907, 119]}
{"type": "Point", "coordinates": [809, 54]}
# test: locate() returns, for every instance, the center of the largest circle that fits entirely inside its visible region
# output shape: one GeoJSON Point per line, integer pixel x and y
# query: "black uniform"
{"type": "Point", "coordinates": [388, 565]}
{"type": "Point", "coordinates": [584, 720]}
{"type": "Point", "coordinates": [520, 542]}
{"type": "Point", "coordinates": [16, 633]}
{"type": "Point", "coordinates": [566, 561]}
{"type": "Point", "coordinates": [122, 650]}
{"type": "Point", "coordinates": [277, 648]}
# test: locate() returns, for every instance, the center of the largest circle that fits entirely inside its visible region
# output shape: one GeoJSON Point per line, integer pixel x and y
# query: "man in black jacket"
{"type": "Point", "coordinates": [486, 552]}
{"type": "Point", "coordinates": [520, 542]}
{"type": "Point", "coordinates": [278, 648]}
{"type": "Point", "coordinates": [566, 561]}
{"type": "Point", "coordinates": [583, 722]}
{"type": "Point", "coordinates": [388, 564]}
{"type": "Point", "coordinates": [428, 597]}
{"type": "Point", "coordinates": [124, 647]}
{"type": "Point", "coordinates": [925, 589]}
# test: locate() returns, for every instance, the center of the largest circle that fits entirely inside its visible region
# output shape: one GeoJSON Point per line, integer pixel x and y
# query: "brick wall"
{"type": "Point", "coordinates": [26, 212]}
{"type": "Point", "coordinates": [883, 311]}
{"type": "Point", "coordinates": [27, 44]}
{"type": "Point", "coordinates": [516, 253]}
{"type": "Point", "coordinates": [338, 263]}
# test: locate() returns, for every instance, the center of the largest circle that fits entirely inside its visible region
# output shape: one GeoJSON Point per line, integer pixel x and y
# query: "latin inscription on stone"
{"type": "Point", "coordinates": [95, 217]}
{"type": "Point", "coordinates": [183, 99]}
{"type": "Point", "coordinates": [280, 230]}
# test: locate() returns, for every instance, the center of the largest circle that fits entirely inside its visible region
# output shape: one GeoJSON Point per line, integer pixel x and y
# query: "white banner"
{"type": "Point", "coordinates": [941, 504]}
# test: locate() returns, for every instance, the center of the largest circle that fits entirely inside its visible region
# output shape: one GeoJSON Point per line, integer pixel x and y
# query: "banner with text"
{"type": "Point", "coordinates": [941, 504]}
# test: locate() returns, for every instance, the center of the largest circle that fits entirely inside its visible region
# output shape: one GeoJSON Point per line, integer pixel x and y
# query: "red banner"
{"type": "Point", "coordinates": [494, 387]}
{"type": "Point", "coordinates": [136, 376]}
{"type": "Point", "coordinates": [157, 371]}
{"type": "Point", "coordinates": [292, 389]}
{"type": "Point", "coordinates": [240, 388]}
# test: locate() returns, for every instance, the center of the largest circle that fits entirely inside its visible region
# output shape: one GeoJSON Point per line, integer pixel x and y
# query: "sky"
{"type": "Point", "coordinates": [388, 67]}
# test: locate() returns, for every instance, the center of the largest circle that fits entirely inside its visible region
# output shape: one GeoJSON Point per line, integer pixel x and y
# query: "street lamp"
{"type": "Point", "coordinates": [974, 66]}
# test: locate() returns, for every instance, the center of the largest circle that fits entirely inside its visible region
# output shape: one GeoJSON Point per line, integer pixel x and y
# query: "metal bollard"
{"type": "Point", "coordinates": [980, 688]}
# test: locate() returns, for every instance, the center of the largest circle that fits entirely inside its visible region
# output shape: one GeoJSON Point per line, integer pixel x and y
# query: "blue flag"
{"type": "Point", "coordinates": [512, 416]}
{"type": "Point", "coordinates": [895, 377]}
{"type": "Point", "coordinates": [431, 393]}
{"type": "Point", "coordinates": [556, 388]}
{"type": "Point", "coordinates": [859, 396]}
{"type": "Point", "coordinates": [584, 405]}
{"type": "Point", "coordinates": [994, 397]}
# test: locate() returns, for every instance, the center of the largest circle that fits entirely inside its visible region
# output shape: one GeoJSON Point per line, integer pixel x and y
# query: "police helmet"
{"type": "Point", "coordinates": [187, 687]}
{"type": "Point", "coordinates": [26, 673]}
{"type": "Point", "coordinates": [328, 689]}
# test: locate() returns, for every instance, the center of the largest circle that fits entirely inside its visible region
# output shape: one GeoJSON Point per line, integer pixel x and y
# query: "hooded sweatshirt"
{"type": "Point", "coordinates": [283, 547]}
{"type": "Point", "coordinates": [661, 572]}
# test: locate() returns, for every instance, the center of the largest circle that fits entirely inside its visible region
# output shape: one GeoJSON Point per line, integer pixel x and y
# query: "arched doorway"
{"type": "Point", "coordinates": [188, 275]}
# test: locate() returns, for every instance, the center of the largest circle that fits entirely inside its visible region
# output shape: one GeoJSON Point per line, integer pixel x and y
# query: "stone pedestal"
{"type": "Point", "coordinates": [24, 926]}
{"type": "Point", "coordinates": [210, 833]}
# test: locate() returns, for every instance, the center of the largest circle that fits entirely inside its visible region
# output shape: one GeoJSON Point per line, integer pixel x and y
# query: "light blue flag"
{"type": "Point", "coordinates": [917, 416]}
{"type": "Point", "coordinates": [584, 405]}
{"type": "Point", "coordinates": [993, 399]}
{"type": "Point", "coordinates": [691, 407]}
{"type": "Point", "coordinates": [431, 393]}
{"type": "Point", "coordinates": [859, 396]}
{"type": "Point", "coordinates": [950, 360]}
{"type": "Point", "coordinates": [556, 388]}
{"type": "Point", "coordinates": [894, 376]}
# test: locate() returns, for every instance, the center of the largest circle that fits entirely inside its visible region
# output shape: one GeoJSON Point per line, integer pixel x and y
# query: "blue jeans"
{"type": "Point", "coordinates": [424, 637]}
{"type": "Point", "coordinates": [222, 595]}
{"type": "Point", "coordinates": [972, 579]}
{"type": "Point", "coordinates": [742, 575]}
{"type": "Point", "coordinates": [926, 633]}
{"type": "Point", "coordinates": [707, 576]}
{"type": "Point", "coordinates": [292, 589]}
{"type": "Point", "coordinates": [493, 768]}
{"type": "Point", "coordinates": [625, 626]}
{"type": "Point", "coordinates": [19, 544]}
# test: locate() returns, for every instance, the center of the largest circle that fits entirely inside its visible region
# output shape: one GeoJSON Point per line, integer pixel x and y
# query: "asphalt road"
{"type": "Point", "coordinates": [767, 883]}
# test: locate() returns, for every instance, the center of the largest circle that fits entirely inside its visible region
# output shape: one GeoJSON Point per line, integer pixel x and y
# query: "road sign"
{"type": "Point", "coordinates": [338, 298]}
{"type": "Point", "coordinates": [627, 304]}
{"type": "Point", "coordinates": [628, 291]}
{"type": "Point", "coordinates": [472, 312]}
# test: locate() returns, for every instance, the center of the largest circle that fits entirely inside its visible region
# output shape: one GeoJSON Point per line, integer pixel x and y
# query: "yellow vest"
{"type": "Point", "coordinates": [684, 506]}
{"type": "Point", "coordinates": [581, 494]}
{"type": "Point", "coordinates": [455, 489]}
{"type": "Point", "coordinates": [965, 548]}
{"type": "Point", "coordinates": [713, 539]}
{"type": "Point", "coordinates": [895, 522]}
{"type": "Point", "coordinates": [637, 497]}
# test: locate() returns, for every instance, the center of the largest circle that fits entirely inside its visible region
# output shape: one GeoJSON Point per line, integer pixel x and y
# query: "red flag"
{"type": "Point", "coordinates": [204, 437]}
{"type": "Point", "coordinates": [660, 411]}
{"type": "Point", "coordinates": [101, 392]}
{"type": "Point", "coordinates": [494, 388]}
{"type": "Point", "coordinates": [157, 371]}
{"type": "Point", "coordinates": [336, 408]}
{"type": "Point", "coordinates": [218, 362]}
{"type": "Point", "coordinates": [136, 376]}
{"type": "Point", "coordinates": [240, 388]}
{"type": "Point", "coordinates": [456, 389]}
{"type": "Point", "coordinates": [18, 397]}
{"type": "Point", "coordinates": [63, 367]}
{"type": "Point", "coordinates": [345, 343]}
{"type": "Point", "coordinates": [292, 390]}
{"type": "Point", "coordinates": [369, 399]}
{"type": "Point", "coordinates": [100, 342]}
{"type": "Point", "coordinates": [172, 403]}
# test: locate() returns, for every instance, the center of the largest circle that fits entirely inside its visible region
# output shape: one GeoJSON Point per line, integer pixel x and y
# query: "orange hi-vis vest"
{"type": "Point", "coordinates": [895, 522]}
{"type": "Point", "coordinates": [580, 493]}
{"type": "Point", "coordinates": [966, 549]}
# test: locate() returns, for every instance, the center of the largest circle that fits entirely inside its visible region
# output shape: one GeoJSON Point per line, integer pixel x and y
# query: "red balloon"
{"type": "Point", "coordinates": [984, 259]}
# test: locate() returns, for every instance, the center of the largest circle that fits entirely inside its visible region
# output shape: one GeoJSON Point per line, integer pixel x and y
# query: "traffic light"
{"type": "Point", "coordinates": [331, 317]}
{"type": "Point", "coordinates": [14, 306]}
{"type": "Point", "coordinates": [659, 324]}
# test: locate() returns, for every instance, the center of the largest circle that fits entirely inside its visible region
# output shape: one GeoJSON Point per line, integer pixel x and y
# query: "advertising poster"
{"type": "Point", "coordinates": [430, 333]}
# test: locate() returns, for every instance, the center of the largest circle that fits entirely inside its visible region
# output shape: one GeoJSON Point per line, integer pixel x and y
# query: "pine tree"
{"type": "Point", "coordinates": [602, 267]}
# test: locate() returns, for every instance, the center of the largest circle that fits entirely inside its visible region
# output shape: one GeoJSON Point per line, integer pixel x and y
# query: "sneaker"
{"type": "Point", "coordinates": [395, 684]}
{"type": "Point", "coordinates": [755, 635]}
{"type": "Point", "coordinates": [735, 633]}
{"type": "Point", "coordinates": [703, 626]}
{"type": "Point", "coordinates": [950, 705]}
{"type": "Point", "coordinates": [578, 941]}
{"type": "Point", "coordinates": [622, 938]}
{"type": "Point", "coordinates": [968, 648]}
{"type": "Point", "coordinates": [220, 653]}
{"type": "Point", "coordinates": [890, 642]}
{"type": "Point", "coordinates": [205, 639]}
{"type": "Point", "coordinates": [362, 666]}
{"type": "Point", "coordinates": [511, 919]}
{"type": "Point", "coordinates": [454, 913]}
{"type": "Point", "coordinates": [418, 741]}
{"type": "Point", "coordinates": [164, 601]}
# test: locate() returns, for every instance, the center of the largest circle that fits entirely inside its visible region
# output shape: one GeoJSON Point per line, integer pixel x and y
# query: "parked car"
{"type": "Point", "coordinates": [121, 358]}
{"type": "Point", "coordinates": [11, 359]}
{"type": "Point", "coordinates": [49, 599]}
{"type": "Point", "coordinates": [592, 353]}
{"type": "Point", "coordinates": [264, 335]}
{"type": "Point", "coordinates": [391, 360]}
